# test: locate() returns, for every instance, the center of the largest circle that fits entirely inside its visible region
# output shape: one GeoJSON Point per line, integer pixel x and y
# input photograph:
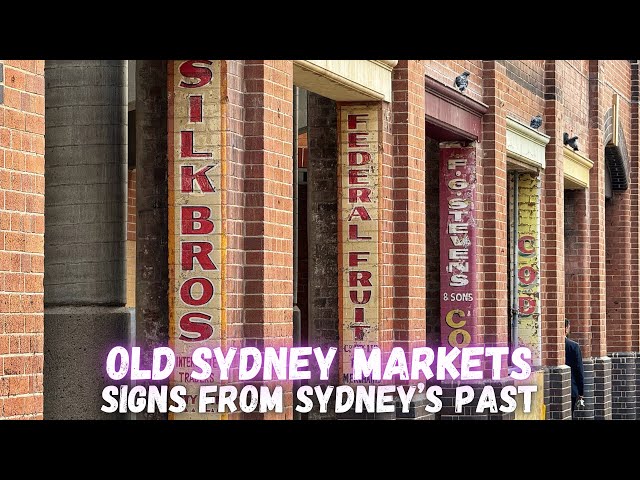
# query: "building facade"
{"type": "Point", "coordinates": [373, 203]}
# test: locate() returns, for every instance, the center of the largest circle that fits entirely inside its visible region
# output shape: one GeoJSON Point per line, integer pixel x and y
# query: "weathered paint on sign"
{"type": "Point", "coordinates": [528, 265]}
{"type": "Point", "coordinates": [458, 294]}
{"type": "Point", "coordinates": [196, 222]}
{"type": "Point", "coordinates": [358, 227]}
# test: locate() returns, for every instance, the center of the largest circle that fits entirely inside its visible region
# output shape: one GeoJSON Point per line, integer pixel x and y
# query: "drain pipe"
{"type": "Point", "coordinates": [297, 321]}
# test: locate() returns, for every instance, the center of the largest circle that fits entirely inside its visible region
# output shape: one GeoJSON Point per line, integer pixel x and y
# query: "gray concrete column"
{"type": "Point", "coordinates": [152, 234]}
{"type": "Point", "coordinates": [85, 232]}
{"type": "Point", "coordinates": [322, 215]}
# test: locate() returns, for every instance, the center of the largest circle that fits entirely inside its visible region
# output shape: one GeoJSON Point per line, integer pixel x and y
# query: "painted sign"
{"type": "Point", "coordinates": [358, 227]}
{"type": "Point", "coordinates": [196, 235]}
{"type": "Point", "coordinates": [528, 264]}
{"type": "Point", "coordinates": [457, 245]}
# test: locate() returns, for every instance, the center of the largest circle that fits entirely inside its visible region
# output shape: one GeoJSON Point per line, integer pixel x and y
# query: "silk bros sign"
{"type": "Point", "coordinates": [196, 236]}
{"type": "Point", "coordinates": [359, 237]}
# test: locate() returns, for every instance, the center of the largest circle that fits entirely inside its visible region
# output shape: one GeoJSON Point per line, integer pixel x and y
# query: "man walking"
{"type": "Point", "coordinates": [573, 358]}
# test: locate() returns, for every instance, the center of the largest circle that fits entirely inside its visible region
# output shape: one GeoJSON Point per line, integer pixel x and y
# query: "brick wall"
{"type": "Point", "coordinates": [635, 205]}
{"type": "Point", "coordinates": [492, 197]}
{"type": "Point", "coordinates": [617, 78]}
{"type": "Point", "coordinates": [234, 218]}
{"type": "Point", "coordinates": [576, 274]}
{"type": "Point", "coordinates": [21, 239]}
{"type": "Point", "coordinates": [446, 71]}
{"type": "Point", "coordinates": [409, 204]}
{"type": "Point", "coordinates": [268, 226]}
{"type": "Point", "coordinates": [597, 271]}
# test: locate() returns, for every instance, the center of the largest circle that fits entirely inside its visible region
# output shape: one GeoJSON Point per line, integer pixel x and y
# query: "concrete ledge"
{"type": "Point", "coordinates": [346, 80]}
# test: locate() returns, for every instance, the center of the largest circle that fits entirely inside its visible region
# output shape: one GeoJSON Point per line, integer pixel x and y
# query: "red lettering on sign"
{"type": "Point", "coordinates": [189, 323]}
{"type": "Point", "coordinates": [354, 119]}
{"type": "Point", "coordinates": [526, 245]}
{"type": "Point", "coordinates": [356, 137]}
{"type": "Point", "coordinates": [366, 296]}
{"type": "Point", "coordinates": [526, 305]}
{"type": "Point", "coordinates": [527, 275]}
{"type": "Point", "coordinates": [187, 297]}
{"type": "Point", "coordinates": [187, 177]}
{"type": "Point", "coordinates": [359, 212]}
{"type": "Point", "coordinates": [195, 108]}
{"type": "Point", "coordinates": [189, 253]}
{"type": "Point", "coordinates": [355, 175]}
{"type": "Point", "coordinates": [192, 225]}
{"type": "Point", "coordinates": [365, 158]}
{"type": "Point", "coordinates": [189, 69]}
{"type": "Point", "coordinates": [359, 194]}
{"type": "Point", "coordinates": [186, 146]}
{"type": "Point", "coordinates": [360, 277]}
{"type": "Point", "coordinates": [354, 258]}
{"type": "Point", "coordinates": [353, 233]}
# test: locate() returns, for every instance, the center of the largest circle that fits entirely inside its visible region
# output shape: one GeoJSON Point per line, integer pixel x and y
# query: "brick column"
{"type": "Point", "coordinates": [322, 214]}
{"type": "Point", "coordinates": [635, 223]}
{"type": "Point", "coordinates": [558, 398]}
{"type": "Point", "coordinates": [619, 344]}
{"type": "Point", "coordinates": [269, 220]}
{"type": "Point", "coordinates": [409, 203]}
{"type": "Point", "coordinates": [22, 129]}
{"type": "Point", "coordinates": [493, 318]}
{"type": "Point", "coordinates": [597, 276]}
{"type": "Point", "coordinates": [576, 248]}
{"type": "Point", "coordinates": [619, 270]}
{"type": "Point", "coordinates": [409, 258]}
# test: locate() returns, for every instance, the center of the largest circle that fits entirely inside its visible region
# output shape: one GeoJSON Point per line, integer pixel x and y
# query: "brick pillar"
{"type": "Point", "coordinates": [618, 301]}
{"type": "Point", "coordinates": [634, 152]}
{"type": "Point", "coordinates": [493, 321]}
{"type": "Point", "coordinates": [22, 128]}
{"type": "Point", "coordinates": [587, 413]}
{"type": "Point", "coordinates": [85, 244]}
{"type": "Point", "coordinates": [409, 259]}
{"type": "Point", "coordinates": [619, 343]}
{"type": "Point", "coordinates": [552, 264]}
{"type": "Point", "coordinates": [269, 220]}
{"type": "Point", "coordinates": [576, 248]}
{"type": "Point", "coordinates": [597, 271]}
{"type": "Point", "coordinates": [408, 179]}
{"type": "Point", "coordinates": [322, 214]}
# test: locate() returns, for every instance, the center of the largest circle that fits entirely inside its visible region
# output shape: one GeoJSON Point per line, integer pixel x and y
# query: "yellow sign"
{"type": "Point", "coordinates": [359, 230]}
{"type": "Point", "coordinates": [528, 274]}
{"type": "Point", "coordinates": [196, 222]}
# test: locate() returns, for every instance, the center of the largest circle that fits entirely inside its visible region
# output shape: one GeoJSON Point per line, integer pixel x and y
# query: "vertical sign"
{"type": "Point", "coordinates": [196, 236]}
{"type": "Point", "coordinates": [457, 245]}
{"type": "Point", "coordinates": [528, 264]}
{"type": "Point", "coordinates": [358, 230]}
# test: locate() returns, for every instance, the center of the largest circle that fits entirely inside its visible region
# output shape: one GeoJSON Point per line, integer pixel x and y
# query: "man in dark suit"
{"type": "Point", "coordinates": [573, 358]}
